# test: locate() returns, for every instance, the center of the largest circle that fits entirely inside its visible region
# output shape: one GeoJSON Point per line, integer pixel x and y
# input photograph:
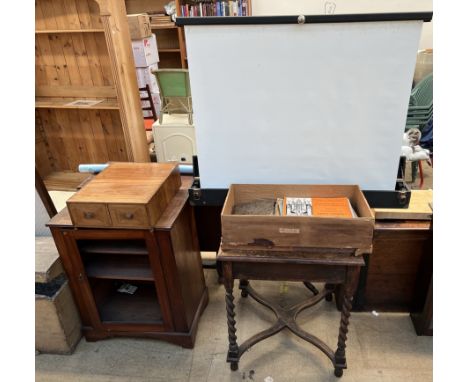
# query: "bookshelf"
{"type": "Point", "coordinates": [80, 50]}
{"type": "Point", "coordinates": [207, 8]}
{"type": "Point", "coordinates": [169, 37]}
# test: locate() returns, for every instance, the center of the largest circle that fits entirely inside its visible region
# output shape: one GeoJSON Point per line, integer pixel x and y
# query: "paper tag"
{"type": "Point", "coordinates": [127, 288]}
{"type": "Point", "coordinates": [289, 230]}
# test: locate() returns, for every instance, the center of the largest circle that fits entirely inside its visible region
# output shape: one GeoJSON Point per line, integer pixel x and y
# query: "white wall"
{"type": "Point", "coordinates": [310, 7]}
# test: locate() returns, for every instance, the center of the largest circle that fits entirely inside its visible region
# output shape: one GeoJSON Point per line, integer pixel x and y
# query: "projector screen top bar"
{"type": "Point", "coordinates": [310, 19]}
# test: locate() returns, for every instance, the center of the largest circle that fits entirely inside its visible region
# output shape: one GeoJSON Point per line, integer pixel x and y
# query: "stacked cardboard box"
{"type": "Point", "coordinates": [145, 54]}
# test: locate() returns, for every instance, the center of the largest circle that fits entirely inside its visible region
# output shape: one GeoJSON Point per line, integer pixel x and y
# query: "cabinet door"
{"type": "Point", "coordinates": [120, 278]}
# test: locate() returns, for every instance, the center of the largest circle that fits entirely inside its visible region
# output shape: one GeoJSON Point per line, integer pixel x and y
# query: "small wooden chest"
{"type": "Point", "coordinates": [125, 195]}
{"type": "Point", "coordinates": [139, 26]}
{"type": "Point", "coordinates": [280, 232]}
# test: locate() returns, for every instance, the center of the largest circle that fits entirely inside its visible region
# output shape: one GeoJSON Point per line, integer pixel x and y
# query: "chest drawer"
{"type": "Point", "coordinates": [90, 215]}
{"type": "Point", "coordinates": [128, 215]}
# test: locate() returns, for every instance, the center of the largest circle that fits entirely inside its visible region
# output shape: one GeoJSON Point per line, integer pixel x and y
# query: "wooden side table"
{"type": "Point", "coordinates": [339, 269]}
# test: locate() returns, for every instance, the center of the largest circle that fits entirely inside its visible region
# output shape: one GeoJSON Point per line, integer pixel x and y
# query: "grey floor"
{"type": "Point", "coordinates": [380, 348]}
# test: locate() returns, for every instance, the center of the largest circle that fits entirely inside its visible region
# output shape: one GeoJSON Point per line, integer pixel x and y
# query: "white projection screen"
{"type": "Point", "coordinates": [314, 103]}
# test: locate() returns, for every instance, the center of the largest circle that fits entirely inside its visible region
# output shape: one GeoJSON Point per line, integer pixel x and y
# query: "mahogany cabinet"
{"type": "Point", "coordinates": [390, 280]}
{"type": "Point", "coordinates": [163, 262]}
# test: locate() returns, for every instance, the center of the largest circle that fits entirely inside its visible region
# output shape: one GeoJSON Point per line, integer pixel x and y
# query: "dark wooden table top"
{"type": "Point", "coordinates": [320, 256]}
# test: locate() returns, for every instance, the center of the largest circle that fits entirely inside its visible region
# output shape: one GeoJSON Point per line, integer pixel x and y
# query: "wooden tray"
{"type": "Point", "coordinates": [269, 232]}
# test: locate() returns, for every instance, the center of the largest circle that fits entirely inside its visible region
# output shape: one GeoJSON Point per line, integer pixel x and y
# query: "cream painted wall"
{"type": "Point", "coordinates": [310, 7]}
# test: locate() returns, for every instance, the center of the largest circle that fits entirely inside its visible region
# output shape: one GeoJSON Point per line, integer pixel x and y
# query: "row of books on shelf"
{"type": "Point", "coordinates": [215, 8]}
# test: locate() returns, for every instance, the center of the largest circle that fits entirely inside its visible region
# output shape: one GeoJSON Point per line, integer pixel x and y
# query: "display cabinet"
{"type": "Point", "coordinates": [162, 262]}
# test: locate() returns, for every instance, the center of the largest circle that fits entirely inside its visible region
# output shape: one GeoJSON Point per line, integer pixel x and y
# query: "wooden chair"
{"type": "Point", "coordinates": [176, 96]}
{"type": "Point", "coordinates": [150, 119]}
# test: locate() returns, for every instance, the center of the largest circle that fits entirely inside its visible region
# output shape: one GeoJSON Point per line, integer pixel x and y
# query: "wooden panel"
{"type": "Point", "coordinates": [63, 103]}
{"type": "Point", "coordinates": [119, 268]}
{"type": "Point", "coordinates": [73, 148]}
{"type": "Point", "coordinates": [187, 257]}
{"type": "Point", "coordinates": [71, 14]}
{"type": "Point", "coordinates": [393, 267]}
{"type": "Point", "coordinates": [55, 139]}
{"type": "Point", "coordinates": [44, 159]}
{"type": "Point", "coordinates": [142, 6]}
{"type": "Point", "coordinates": [93, 59]}
{"type": "Point", "coordinates": [84, 91]}
{"type": "Point", "coordinates": [167, 39]}
{"type": "Point", "coordinates": [82, 60]}
{"type": "Point", "coordinates": [56, 48]}
{"type": "Point", "coordinates": [46, 61]}
{"type": "Point", "coordinates": [97, 137]}
{"type": "Point", "coordinates": [48, 13]}
{"type": "Point", "coordinates": [122, 63]}
{"type": "Point", "coordinates": [40, 22]}
{"type": "Point", "coordinates": [67, 14]}
{"type": "Point", "coordinates": [169, 60]}
{"type": "Point", "coordinates": [64, 180]}
{"type": "Point", "coordinates": [94, 14]}
{"type": "Point", "coordinates": [104, 60]}
{"type": "Point", "coordinates": [115, 141]}
{"type": "Point", "coordinates": [83, 13]}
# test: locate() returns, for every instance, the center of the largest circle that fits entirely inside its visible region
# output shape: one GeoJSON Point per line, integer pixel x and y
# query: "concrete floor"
{"type": "Point", "coordinates": [380, 348]}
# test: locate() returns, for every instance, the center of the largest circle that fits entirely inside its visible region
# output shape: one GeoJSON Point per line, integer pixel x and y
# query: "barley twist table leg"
{"type": "Point", "coordinates": [340, 354]}
{"type": "Point", "coordinates": [233, 352]}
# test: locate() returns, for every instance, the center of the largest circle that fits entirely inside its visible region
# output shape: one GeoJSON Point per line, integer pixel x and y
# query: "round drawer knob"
{"type": "Point", "coordinates": [89, 215]}
{"type": "Point", "coordinates": [129, 215]}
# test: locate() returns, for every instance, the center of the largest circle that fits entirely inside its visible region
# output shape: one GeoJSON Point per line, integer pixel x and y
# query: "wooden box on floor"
{"type": "Point", "coordinates": [125, 195]}
{"type": "Point", "coordinates": [279, 232]}
{"type": "Point", "coordinates": [58, 326]}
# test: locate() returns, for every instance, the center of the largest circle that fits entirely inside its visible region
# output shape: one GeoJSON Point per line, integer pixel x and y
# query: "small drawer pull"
{"type": "Point", "coordinates": [129, 215]}
{"type": "Point", "coordinates": [89, 215]}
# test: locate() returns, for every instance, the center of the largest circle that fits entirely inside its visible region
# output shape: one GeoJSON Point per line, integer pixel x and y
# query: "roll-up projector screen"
{"type": "Point", "coordinates": [313, 103]}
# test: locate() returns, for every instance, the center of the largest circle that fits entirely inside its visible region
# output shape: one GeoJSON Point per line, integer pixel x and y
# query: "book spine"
{"type": "Point", "coordinates": [234, 8]}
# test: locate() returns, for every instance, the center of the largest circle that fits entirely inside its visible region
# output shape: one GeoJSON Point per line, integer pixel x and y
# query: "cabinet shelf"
{"type": "Point", "coordinates": [161, 26]}
{"type": "Point", "coordinates": [53, 31]}
{"type": "Point", "coordinates": [141, 307]}
{"type": "Point", "coordinates": [65, 180]}
{"type": "Point", "coordinates": [121, 268]}
{"type": "Point", "coordinates": [169, 50]}
{"type": "Point", "coordinates": [62, 103]}
{"type": "Point", "coordinates": [110, 247]}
